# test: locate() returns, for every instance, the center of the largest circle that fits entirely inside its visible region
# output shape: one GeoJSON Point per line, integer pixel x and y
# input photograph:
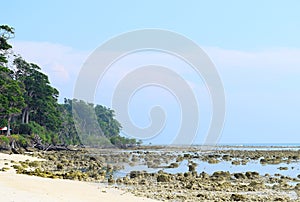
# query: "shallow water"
{"type": "Point", "coordinates": [293, 168]}
{"type": "Point", "coordinates": [253, 165]}
{"type": "Point", "coordinates": [260, 148]}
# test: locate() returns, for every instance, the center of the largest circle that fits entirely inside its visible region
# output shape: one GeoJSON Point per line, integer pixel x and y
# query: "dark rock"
{"type": "Point", "coordinates": [163, 178]}
{"type": "Point", "coordinates": [213, 161]}
{"type": "Point", "coordinates": [226, 157]}
{"type": "Point", "coordinates": [187, 174]}
{"type": "Point", "coordinates": [239, 176]}
{"type": "Point", "coordinates": [173, 165]}
{"type": "Point", "coordinates": [200, 195]}
{"type": "Point", "coordinates": [235, 162]}
{"type": "Point", "coordinates": [257, 185]}
{"type": "Point", "coordinates": [283, 168]}
{"type": "Point", "coordinates": [237, 197]}
{"type": "Point", "coordinates": [221, 175]}
{"type": "Point", "coordinates": [252, 175]}
{"type": "Point", "coordinates": [92, 158]}
{"type": "Point", "coordinates": [135, 174]}
{"type": "Point", "coordinates": [110, 180]}
{"type": "Point", "coordinates": [59, 166]}
{"type": "Point", "coordinates": [204, 175]}
{"type": "Point", "coordinates": [192, 168]}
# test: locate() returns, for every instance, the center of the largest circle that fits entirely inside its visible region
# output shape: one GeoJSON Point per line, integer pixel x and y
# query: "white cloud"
{"type": "Point", "coordinates": [275, 71]}
{"type": "Point", "coordinates": [276, 58]}
{"type": "Point", "coordinates": [60, 62]}
{"type": "Point", "coordinates": [259, 85]}
{"type": "Point", "coordinates": [61, 71]}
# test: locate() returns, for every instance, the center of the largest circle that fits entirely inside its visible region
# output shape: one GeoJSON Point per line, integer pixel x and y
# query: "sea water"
{"type": "Point", "coordinates": [203, 166]}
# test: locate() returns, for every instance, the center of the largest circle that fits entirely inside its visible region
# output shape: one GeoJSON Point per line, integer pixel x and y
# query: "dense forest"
{"type": "Point", "coordinates": [30, 110]}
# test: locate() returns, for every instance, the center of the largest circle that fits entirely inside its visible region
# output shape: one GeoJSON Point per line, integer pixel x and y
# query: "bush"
{"type": "Point", "coordinates": [25, 129]}
{"type": "Point", "coordinates": [4, 142]}
{"type": "Point", "coordinates": [122, 141]}
{"type": "Point", "coordinates": [31, 129]}
{"type": "Point", "coordinates": [39, 130]}
{"type": "Point", "coordinates": [4, 139]}
{"type": "Point", "coordinates": [21, 140]}
{"type": "Point", "coordinates": [36, 128]}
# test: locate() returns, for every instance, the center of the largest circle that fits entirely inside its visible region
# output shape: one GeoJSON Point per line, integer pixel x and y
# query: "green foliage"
{"type": "Point", "coordinates": [3, 122]}
{"type": "Point", "coordinates": [29, 104]}
{"type": "Point", "coordinates": [41, 131]}
{"type": "Point", "coordinates": [21, 140]}
{"type": "Point", "coordinates": [6, 32]}
{"type": "Point", "coordinates": [68, 133]}
{"type": "Point", "coordinates": [87, 125]}
{"type": "Point", "coordinates": [33, 128]}
{"type": "Point", "coordinates": [41, 99]}
{"type": "Point", "coordinates": [24, 129]}
{"type": "Point", "coordinates": [14, 99]}
{"type": "Point", "coordinates": [122, 141]}
{"type": "Point", "coordinates": [84, 118]}
{"type": "Point", "coordinates": [108, 124]}
{"type": "Point", "coordinates": [4, 139]}
{"type": "Point", "coordinates": [97, 125]}
{"type": "Point", "coordinates": [11, 90]}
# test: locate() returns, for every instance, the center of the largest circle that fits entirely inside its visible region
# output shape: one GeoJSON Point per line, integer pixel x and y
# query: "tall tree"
{"type": "Point", "coordinates": [6, 33]}
{"type": "Point", "coordinates": [40, 97]}
{"type": "Point", "coordinates": [107, 122]}
{"type": "Point", "coordinates": [11, 90]}
{"type": "Point", "coordinates": [84, 117]}
{"type": "Point", "coordinates": [13, 101]}
{"type": "Point", "coordinates": [23, 73]}
{"type": "Point", "coordinates": [68, 133]}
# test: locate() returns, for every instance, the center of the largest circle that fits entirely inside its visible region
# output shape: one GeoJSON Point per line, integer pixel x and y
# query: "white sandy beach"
{"type": "Point", "coordinates": [23, 188]}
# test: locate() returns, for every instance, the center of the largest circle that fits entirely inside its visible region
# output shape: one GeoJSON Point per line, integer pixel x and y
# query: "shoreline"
{"type": "Point", "coordinates": [179, 174]}
{"type": "Point", "coordinates": [23, 188]}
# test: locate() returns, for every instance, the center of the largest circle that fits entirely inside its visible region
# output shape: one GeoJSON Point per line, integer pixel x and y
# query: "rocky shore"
{"type": "Point", "coordinates": [159, 181]}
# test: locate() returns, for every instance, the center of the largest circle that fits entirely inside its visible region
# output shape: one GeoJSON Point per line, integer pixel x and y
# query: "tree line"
{"type": "Point", "coordinates": [29, 107]}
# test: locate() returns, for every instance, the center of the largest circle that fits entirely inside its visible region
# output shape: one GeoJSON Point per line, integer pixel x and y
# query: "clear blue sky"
{"type": "Point", "coordinates": [242, 25]}
{"type": "Point", "coordinates": [254, 44]}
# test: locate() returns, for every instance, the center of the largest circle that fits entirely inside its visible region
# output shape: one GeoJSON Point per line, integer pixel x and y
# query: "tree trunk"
{"type": "Point", "coordinates": [23, 116]}
{"type": "Point", "coordinates": [27, 117]}
{"type": "Point", "coordinates": [8, 125]}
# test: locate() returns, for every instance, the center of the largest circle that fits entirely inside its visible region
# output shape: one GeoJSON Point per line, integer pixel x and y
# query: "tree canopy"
{"type": "Point", "coordinates": [29, 106]}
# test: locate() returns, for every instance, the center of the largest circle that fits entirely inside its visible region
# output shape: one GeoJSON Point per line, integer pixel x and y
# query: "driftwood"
{"type": "Point", "coordinates": [15, 148]}
{"type": "Point", "coordinates": [36, 145]}
{"type": "Point", "coordinates": [47, 147]}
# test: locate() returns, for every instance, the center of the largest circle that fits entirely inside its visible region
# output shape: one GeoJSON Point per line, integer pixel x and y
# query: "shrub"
{"type": "Point", "coordinates": [25, 129]}
{"type": "Point", "coordinates": [21, 140]}
{"type": "Point", "coordinates": [4, 139]}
